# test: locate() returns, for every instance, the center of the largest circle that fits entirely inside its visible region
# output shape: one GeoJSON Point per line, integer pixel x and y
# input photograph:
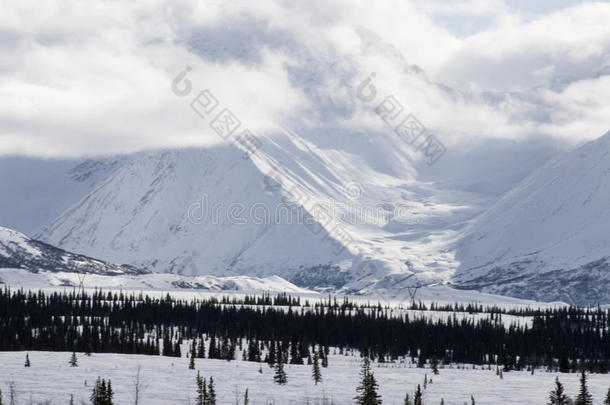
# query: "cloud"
{"type": "Point", "coordinates": [87, 79]}
{"type": "Point", "coordinates": [571, 43]}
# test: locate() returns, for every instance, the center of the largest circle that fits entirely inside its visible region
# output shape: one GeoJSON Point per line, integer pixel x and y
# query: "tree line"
{"type": "Point", "coordinates": [564, 339]}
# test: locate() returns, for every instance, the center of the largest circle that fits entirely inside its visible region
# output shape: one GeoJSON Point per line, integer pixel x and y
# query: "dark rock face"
{"type": "Point", "coordinates": [583, 286]}
{"type": "Point", "coordinates": [321, 277]}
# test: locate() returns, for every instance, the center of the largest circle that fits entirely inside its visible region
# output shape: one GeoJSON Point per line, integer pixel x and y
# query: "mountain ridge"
{"type": "Point", "coordinates": [551, 229]}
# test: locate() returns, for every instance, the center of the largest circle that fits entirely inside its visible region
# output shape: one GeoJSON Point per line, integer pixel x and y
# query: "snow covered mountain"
{"type": "Point", "coordinates": [328, 204]}
{"type": "Point", "coordinates": [29, 263]}
{"type": "Point", "coordinates": [548, 239]}
{"type": "Point", "coordinates": [17, 251]}
{"type": "Point", "coordinates": [318, 210]}
{"type": "Point", "coordinates": [36, 191]}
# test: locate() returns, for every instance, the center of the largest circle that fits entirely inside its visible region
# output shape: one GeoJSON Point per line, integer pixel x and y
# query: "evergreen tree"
{"type": "Point", "coordinates": [71, 400]}
{"type": "Point", "coordinates": [280, 376]}
{"type": "Point", "coordinates": [367, 390]}
{"type": "Point", "coordinates": [442, 401]}
{"type": "Point", "coordinates": [246, 399]}
{"type": "Point", "coordinates": [212, 350]}
{"type": "Point", "coordinates": [211, 393]}
{"type": "Point", "coordinates": [584, 397]}
{"type": "Point", "coordinates": [558, 395]}
{"type": "Point", "coordinates": [434, 365]}
{"type": "Point", "coordinates": [27, 360]}
{"type": "Point", "coordinates": [317, 376]}
{"type": "Point", "coordinates": [201, 349]}
{"type": "Point", "coordinates": [95, 392]}
{"type": "Point", "coordinates": [102, 394]}
{"type": "Point", "coordinates": [192, 361]}
{"type": "Point", "coordinates": [418, 398]}
{"type": "Point", "coordinates": [73, 360]}
{"type": "Point", "coordinates": [472, 402]}
{"type": "Point", "coordinates": [606, 401]}
{"type": "Point", "coordinates": [295, 357]}
{"type": "Point", "coordinates": [202, 391]}
{"type": "Point", "coordinates": [323, 356]}
{"type": "Point", "coordinates": [407, 400]}
{"type": "Point", "coordinates": [564, 363]}
{"type": "Point", "coordinates": [109, 395]}
{"type": "Point", "coordinates": [0, 397]}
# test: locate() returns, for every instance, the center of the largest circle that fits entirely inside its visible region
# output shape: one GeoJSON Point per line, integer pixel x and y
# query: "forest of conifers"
{"type": "Point", "coordinates": [566, 339]}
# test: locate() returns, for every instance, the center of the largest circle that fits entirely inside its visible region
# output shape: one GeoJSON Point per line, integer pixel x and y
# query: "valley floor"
{"type": "Point", "coordinates": [168, 380]}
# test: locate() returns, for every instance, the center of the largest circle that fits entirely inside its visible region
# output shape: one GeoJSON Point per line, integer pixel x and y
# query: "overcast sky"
{"type": "Point", "coordinates": [94, 77]}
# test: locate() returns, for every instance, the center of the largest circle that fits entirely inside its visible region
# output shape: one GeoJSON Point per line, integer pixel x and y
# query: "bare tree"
{"type": "Point", "coordinates": [138, 386]}
{"type": "Point", "coordinates": [12, 393]}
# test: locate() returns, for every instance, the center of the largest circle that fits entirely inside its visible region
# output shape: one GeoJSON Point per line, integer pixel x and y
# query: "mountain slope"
{"type": "Point", "coordinates": [29, 263]}
{"type": "Point", "coordinates": [169, 211]}
{"type": "Point", "coordinates": [35, 191]}
{"type": "Point", "coordinates": [548, 238]}
{"type": "Point", "coordinates": [20, 252]}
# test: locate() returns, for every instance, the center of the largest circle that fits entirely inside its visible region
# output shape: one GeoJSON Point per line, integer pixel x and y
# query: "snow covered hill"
{"type": "Point", "coordinates": [17, 251]}
{"type": "Point", "coordinates": [150, 282]}
{"type": "Point", "coordinates": [549, 238]}
{"type": "Point", "coordinates": [29, 263]}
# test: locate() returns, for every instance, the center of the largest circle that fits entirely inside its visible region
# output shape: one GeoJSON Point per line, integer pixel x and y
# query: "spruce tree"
{"type": "Point", "coordinates": [0, 397]}
{"type": "Point", "coordinates": [192, 361]}
{"type": "Point", "coordinates": [211, 393]}
{"type": "Point", "coordinates": [472, 402]}
{"type": "Point", "coordinates": [407, 400]}
{"type": "Point", "coordinates": [271, 354]}
{"type": "Point", "coordinates": [102, 394]}
{"type": "Point", "coordinates": [558, 395]}
{"type": "Point", "coordinates": [109, 395]}
{"type": "Point", "coordinates": [584, 397]}
{"type": "Point", "coordinates": [367, 390]}
{"type": "Point", "coordinates": [323, 356]}
{"type": "Point", "coordinates": [418, 398]}
{"type": "Point", "coordinates": [95, 392]}
{"type": "Point", "coordinates": [71, 400]}
{"type": "Point", "coordinates": [212, 350]}
{"type": "Point", "coordinates": [434, 365]}
{"type": "Point", "coordinates": [317, 376]}
{"type": "Point", "coordinates": [201, 349]}
{"type": "Point", "coordinates": [564, 363]}
{"type": "Point", "coordinates": [606, 401]}
{"type": "Point", "coordinates": [27, 360]}
{"type": "Point", "coordinates": [280, 376]}
{"type": "Point", "coordinates": [73, 360]}
{"type": "Point", "coordinates": [202, 392]}
{"type": "Point", "coordinates": [246, 399]}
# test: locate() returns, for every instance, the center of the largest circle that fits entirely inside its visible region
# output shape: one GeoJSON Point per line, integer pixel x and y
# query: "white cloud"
{"type": "Point", "coordinates": [88, 78]}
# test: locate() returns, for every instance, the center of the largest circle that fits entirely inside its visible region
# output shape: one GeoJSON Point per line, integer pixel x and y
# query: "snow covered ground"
{"type": "Point", "coordinates": [146, 282]}
{"type": "Point", "coordinates": [169, 381]}
{"type": "Point", "coordinates": [186, 287]}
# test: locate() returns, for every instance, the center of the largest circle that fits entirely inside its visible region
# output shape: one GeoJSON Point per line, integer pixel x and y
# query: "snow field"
{"type": "Point", "coordinates": [168, 380]}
